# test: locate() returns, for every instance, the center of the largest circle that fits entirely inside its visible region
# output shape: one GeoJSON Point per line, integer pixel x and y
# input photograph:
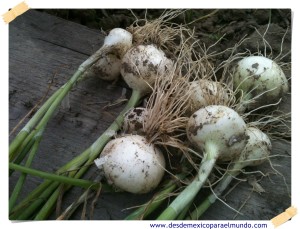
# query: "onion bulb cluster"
{"type": "Point", "coordinates": [130, 162]}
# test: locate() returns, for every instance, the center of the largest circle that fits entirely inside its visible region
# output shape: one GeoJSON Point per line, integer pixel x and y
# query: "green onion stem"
{"type": "Point", "coordinates": [21, 180]}
{"type": "Point", "coordinates": [22, 135]}
{"type": "Point", "coordinates": [32, 205]}
{"type": "Point", "coordinates": [184, 212]}
{"type": "Point", "coordinates": [53, 177]}
{"type": "Point", "coordinates": [189, 193]}
{"type": "Point", "coordinates": [222, 185]}
{"type": "Point", "coordinates": [22, 154]}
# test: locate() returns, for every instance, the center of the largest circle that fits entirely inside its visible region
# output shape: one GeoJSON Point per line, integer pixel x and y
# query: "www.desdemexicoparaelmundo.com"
{"type": "Point", "coordinates": [208, 225]}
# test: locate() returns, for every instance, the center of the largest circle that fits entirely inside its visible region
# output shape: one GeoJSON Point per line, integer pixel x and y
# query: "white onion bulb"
{"type": "Point", "coordinates": [142, 64]}
{"type": "Point", "coordinates": [206, 92]}
{"type": "Point", "coordinates": [257, 150]}
{"type": "Point", "coordinates": [219, 126]}
{"type": "Point", "coordinates": [132, 164]}
{"type": "Point", "coordinates": [260, 79]}
{"type": "Point", "coordinates": [120, 40]}
{"type": "Point", "coordinates": [116, 44]}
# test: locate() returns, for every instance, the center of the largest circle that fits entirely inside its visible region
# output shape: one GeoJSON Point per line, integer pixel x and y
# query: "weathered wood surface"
{"type": "Point", "coordinates": [44, 51]}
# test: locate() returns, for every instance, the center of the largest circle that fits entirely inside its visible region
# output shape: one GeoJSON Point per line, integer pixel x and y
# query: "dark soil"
{"type": "Point", "coordinates": [232, 24]}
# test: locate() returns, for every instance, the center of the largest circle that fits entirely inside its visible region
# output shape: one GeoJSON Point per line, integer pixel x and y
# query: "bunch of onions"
{"type": "Point", "coordinates": [140, 78]}
{"type": "Point", "coordinates": [28, 139]}
{"type": "Point", "coordinates": [158, 123]}
{"type": "Point", "coordinates": [165, 34]}
{"type": "Point", "coordinates": [221, 134]}
{"type": "Point", "coordinates": [134, 162]}
{"type": "Point", "coordinates": [162, 106]}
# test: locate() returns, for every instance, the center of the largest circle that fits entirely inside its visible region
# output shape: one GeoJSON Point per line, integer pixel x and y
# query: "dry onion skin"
{"type": "Point", "coordinates": [131, 164]}
{"type": "Point", "coordinates": [261, 81]}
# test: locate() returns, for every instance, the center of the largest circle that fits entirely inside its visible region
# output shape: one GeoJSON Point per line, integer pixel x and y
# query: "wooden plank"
{"type": "Point", "coordinates": [44, 51]}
